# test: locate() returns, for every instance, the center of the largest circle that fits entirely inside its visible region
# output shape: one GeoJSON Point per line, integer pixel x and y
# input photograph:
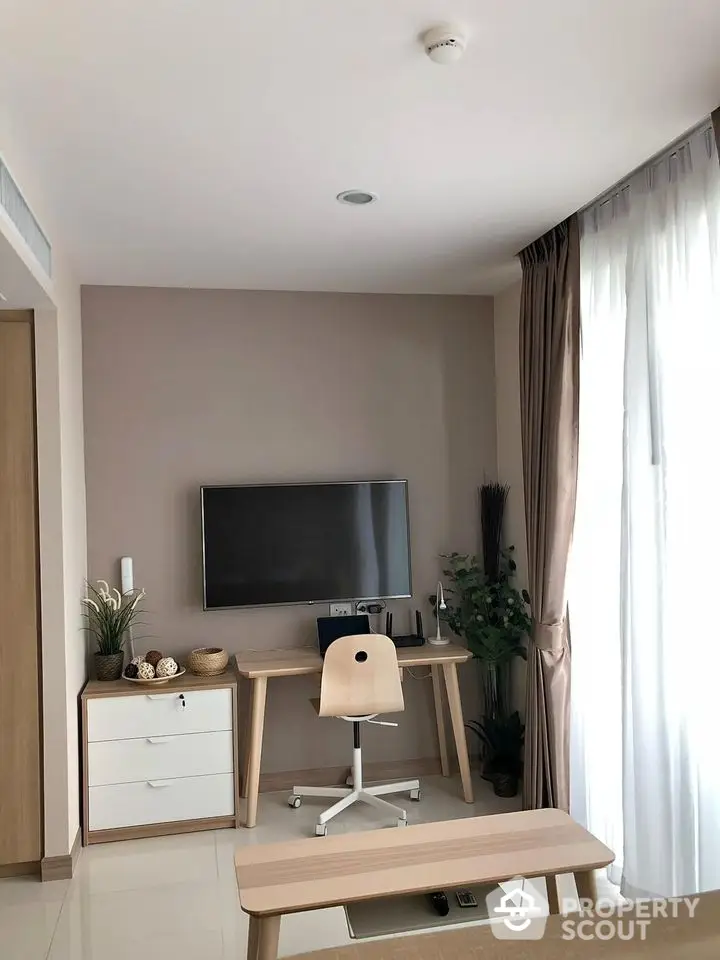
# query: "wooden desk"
{"type": "Point", "coordinates": [260, 665]}
{"type": "Point", "coordinates": [281, 878]}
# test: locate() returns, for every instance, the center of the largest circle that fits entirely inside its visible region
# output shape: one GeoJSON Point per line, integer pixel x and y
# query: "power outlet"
{"type": "Point", "coordinates": [341, 609]}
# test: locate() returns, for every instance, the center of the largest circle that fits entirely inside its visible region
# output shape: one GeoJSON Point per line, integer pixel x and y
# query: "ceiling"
{"type": "Point", "coordinates": [201, 143]}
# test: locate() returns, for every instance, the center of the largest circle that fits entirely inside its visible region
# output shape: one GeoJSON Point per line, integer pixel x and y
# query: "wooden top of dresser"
{"type": "Point", "coordinates": [124, 688]}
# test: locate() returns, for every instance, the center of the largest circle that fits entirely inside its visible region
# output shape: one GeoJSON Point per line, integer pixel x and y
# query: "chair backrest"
{"type": "Point", "coordinates": [360, 676]}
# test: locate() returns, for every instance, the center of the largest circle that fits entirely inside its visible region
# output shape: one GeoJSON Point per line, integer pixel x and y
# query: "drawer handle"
{"type": "Point", "coordinates": [159, 739]}
{"type": "Point", "coordinates": [163, 696]}
{"type": "Point", "coordinates": [159, 783]}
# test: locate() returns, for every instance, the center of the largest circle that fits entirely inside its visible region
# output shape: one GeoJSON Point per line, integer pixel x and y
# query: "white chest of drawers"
{"type": "Point", "coordinates": [159, 760]}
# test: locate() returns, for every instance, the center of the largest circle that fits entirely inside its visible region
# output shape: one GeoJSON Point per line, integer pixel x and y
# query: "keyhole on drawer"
{"type": "Point", "coordinates": [182, 701]}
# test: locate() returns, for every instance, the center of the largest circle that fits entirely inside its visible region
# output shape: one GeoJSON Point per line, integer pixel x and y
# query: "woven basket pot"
{"type": "Point", "coordinates": [208, 661]}
{"type": "Point", "coordinates": [108, 666]}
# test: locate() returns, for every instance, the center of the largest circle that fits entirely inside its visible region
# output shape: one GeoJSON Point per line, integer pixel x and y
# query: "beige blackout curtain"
{"type": "Point", "coordinates": [549, 397]}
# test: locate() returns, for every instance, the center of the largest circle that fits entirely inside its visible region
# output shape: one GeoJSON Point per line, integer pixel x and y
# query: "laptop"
{"type": "Point", "coordinates": [331, 629]}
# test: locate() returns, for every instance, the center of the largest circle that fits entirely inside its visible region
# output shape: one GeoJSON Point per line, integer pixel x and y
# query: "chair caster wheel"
{"type": "Point", "coordinates": [415, 795]}
{"type": "Point", "coordinates": [402, 822]}
{"type": "Point", "coordinates": [294, 801]}
{"type": "Point", "coordinates": [320, 830]}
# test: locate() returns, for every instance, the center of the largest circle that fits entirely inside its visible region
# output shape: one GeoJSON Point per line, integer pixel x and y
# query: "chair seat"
{"type": "Point", "coordinates": [315, 701]}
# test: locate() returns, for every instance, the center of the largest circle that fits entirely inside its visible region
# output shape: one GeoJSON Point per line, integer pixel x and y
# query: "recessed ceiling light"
{"type": "Point", "coordinates": [356, 198]}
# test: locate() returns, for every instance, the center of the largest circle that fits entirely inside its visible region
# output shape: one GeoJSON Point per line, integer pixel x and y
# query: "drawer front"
{"type": "Point", "coordinates": [161, 801]}
{"type": "Point", "coordinates": [159, 758]}
{"type": "Point", "coordinates": [159, 714]}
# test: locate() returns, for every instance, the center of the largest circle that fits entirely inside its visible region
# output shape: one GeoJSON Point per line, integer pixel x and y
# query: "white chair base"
{"type": "Point", "coordinates": [358, 793]}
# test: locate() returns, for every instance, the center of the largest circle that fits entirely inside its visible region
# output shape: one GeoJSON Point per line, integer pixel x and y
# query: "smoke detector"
{"type": "Point", "coordinates": [444, 44]}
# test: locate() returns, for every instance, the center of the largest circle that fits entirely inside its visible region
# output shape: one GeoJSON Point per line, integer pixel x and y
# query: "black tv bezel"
{"type": "Point", "coordinates": [304, 483]}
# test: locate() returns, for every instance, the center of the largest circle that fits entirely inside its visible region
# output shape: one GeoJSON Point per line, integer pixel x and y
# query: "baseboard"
{"type": "Point", "coordinates": [29, 869]}
{"type": "Point", "coordinates": [61, 868]}
{"type": "Point", "coordinates": [336, 776]}
{"type": "Point", "coordinates": [169, 828]}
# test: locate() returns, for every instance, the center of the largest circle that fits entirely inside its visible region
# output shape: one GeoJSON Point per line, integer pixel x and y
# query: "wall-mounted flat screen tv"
{"type": "Point", "coordinates": [305, 543]}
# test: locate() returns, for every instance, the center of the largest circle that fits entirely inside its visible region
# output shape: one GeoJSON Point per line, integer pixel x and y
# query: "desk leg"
{"type": "Point", "coordinates": [257, 722]}
{"type": "Point", "coordinates": [456, 716]}
{"type": "Point", "coordinates": [246, 745]}
{"type": "Point", "coordinates": [440, 719]}
{"type": "Point", "coordinates": [263, 938]}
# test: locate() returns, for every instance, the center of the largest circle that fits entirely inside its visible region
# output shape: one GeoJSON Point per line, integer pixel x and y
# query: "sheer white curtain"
{"type": "Point", "coordinates": [645, 569]}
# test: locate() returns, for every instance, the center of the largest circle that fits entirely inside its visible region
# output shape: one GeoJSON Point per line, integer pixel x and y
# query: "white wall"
{"type": "Point", "coordinates": [506, 317]}
{"type": "Point", "coordinates": [61, 495]}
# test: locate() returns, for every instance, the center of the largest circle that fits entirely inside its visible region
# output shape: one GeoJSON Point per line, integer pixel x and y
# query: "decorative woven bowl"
{"type": "Point", "coordinates": [208, 661]}
{"type": "Point", "coordinates": [156, 681]}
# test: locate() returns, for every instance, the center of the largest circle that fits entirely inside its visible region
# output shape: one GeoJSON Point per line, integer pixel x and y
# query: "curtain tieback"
{"type": "Point", "coordinates": [549, 635]}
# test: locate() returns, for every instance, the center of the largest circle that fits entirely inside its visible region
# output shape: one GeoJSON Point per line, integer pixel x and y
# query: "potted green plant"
{"type": "Point", "coordinates": [110, 615]}
{"type": "Point", "coordinates": [503, 739]}
{"type": "Point", "coordinates": [485, 608]}
{"type": "Point", "coordinates": [492, 616]}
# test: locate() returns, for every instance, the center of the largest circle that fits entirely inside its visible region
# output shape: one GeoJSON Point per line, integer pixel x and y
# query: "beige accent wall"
{"type": "Point", "coordinates": [506, 309]}
{"type": "Point", "coordinates": [187, 387]}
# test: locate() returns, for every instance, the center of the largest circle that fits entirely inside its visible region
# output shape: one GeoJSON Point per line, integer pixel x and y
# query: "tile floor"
{"type": "Point", "coordinates": [175, 897]}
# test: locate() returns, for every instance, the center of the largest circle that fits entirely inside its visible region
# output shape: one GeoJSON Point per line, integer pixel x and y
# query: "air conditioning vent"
{"type": "Point", "coordinates": [15, 205]}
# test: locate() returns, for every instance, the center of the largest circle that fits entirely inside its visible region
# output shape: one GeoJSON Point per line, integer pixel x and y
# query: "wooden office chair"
{"type": "Point", "coordinates": [360, 679]}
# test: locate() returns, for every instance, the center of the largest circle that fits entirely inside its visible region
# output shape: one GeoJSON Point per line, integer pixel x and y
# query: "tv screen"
{"type": "Point", "coordinates": [305, 543]}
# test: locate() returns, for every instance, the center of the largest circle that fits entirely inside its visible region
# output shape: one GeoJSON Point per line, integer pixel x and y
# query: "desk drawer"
{"type": "Point", "coordinates": [159, 714]}
{"type": "Point", "coordinates": [161, 801]}
{"type": "Point", "coordinates": [159, 758]}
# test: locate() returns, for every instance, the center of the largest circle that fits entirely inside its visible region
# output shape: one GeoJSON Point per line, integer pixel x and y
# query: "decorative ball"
{"type": "Point", "coordinates": [131, 670]}
{"type": "Point", "coordinates": [145, 671]}
{"type": "Point", "coordinates": [153, 657]}
{"type": "Point", "coordinates": [135, 661]}
{"type": "Point", "coordinates": [167, 667]}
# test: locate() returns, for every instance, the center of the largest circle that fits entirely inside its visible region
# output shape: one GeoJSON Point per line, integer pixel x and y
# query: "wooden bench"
{"type": "Point", "coordinates": [276, 879]}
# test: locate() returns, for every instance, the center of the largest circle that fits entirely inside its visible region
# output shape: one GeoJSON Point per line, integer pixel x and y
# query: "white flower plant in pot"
{"type": "Point", "coordinates": [110, 616]}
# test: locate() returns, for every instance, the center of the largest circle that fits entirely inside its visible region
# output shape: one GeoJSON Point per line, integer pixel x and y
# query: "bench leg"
{"type": "Point", "coordinates": [586, 886]}
{"type": "Point", "coordinates": [253, 933]}
{"type": "Point", "coordinates": [552, 895]}
{"type": "Point", "coordinates": [263, 938]}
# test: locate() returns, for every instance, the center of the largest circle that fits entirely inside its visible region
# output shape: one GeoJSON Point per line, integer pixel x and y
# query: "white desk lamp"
{"type": "Point", "coordinates": [438, 640]}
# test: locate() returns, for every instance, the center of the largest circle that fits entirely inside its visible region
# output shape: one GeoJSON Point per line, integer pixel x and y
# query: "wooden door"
{"type": "Point", "coordinates": [20, 746]}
